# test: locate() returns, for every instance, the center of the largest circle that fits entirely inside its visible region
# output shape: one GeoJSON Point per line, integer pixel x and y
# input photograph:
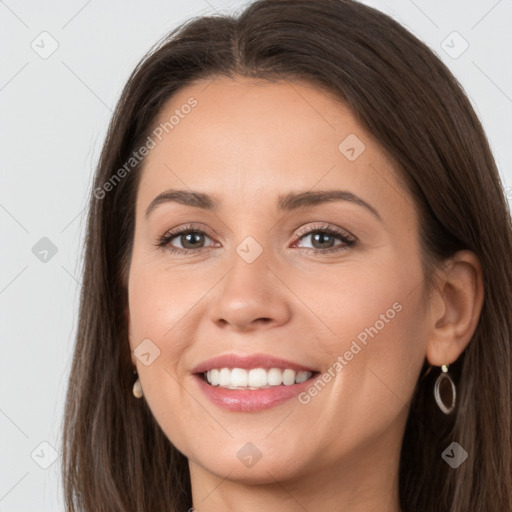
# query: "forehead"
{"type": "Point", "coordinates": [255, 137]}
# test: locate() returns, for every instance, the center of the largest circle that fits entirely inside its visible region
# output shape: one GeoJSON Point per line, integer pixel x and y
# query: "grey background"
{"type": "Point", "coordinates": [54, 116]}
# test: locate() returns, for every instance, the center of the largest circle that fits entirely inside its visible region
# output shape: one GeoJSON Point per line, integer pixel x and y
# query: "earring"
{"type": "Point", "coordinates": [444, 377]}
{"type": "Point", "coordinates": [137, 389]}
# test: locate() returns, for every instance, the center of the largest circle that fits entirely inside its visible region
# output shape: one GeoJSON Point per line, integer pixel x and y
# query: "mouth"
{"type": "Point", "coordinates": [253, 389]}
{"type": "Point", "coordinates": [251, 382]}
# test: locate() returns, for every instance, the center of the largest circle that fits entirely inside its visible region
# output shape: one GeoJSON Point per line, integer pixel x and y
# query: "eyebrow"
{"type": "Point", "coordinates": [286, 202]}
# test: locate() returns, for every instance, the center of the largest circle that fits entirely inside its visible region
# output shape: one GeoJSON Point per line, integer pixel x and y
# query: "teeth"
{"type": "Point", "coordinates": [275, 377]}
{"type": "Point", "coordinates": [239, 377]}
{"type": "Point", "coordinates": [224, 377]}
{"type": "Point", "coordinates": [288, 377]}
{"type": "Point", "coordinates": [214, 377]}
{"type": "Point", "coordinates": [302, 376]}
{"type": "Point", "coordinates": [256, 378]}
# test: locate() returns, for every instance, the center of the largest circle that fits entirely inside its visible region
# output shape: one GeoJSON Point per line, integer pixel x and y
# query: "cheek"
{"type": "Point", "coordinates": [383, 314]}
{"type": "Point", "coordinates": [159, 299]}
{"type": "Point", "coordinates": [148, 315]}
{"type": "Point", "coordinates": [158, 322]}
{"type": "Point", "coordinates": [371, 331]}
{"type": "Point", "coordinates": [375, 355]}
{"type": "Point", "coordinates": [368, 299]}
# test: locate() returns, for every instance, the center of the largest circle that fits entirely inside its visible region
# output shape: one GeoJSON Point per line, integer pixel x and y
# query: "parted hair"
{"type": "Point", "coordinates": [115, 456]}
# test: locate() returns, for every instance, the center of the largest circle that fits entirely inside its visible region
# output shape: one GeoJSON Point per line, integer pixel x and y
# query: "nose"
{"type": "Point", "coordinates": [250, 296]}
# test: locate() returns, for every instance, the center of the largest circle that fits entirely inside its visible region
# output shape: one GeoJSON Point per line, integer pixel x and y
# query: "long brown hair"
{"type": "Point", "coordinates": [115, 456]}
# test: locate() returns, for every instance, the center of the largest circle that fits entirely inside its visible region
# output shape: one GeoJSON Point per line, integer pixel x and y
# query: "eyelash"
{"type": "Point", "coordinates": [348, 241]}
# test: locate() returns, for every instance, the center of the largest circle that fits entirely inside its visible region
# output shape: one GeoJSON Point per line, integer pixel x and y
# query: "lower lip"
{"type": "Point", "coordinates": [252, 400]}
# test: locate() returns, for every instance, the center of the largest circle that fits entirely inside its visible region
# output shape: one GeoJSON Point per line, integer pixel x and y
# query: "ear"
{"type": "Point", "coordinates": [456, 308]}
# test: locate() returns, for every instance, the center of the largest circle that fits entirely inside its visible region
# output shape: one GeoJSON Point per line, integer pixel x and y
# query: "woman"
{"type": "Point", "coordinates": [296, 292]}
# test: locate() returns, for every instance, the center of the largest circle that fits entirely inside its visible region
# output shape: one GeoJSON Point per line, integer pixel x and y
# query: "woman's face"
{"type": "Point", "coordinates": [259, 275]}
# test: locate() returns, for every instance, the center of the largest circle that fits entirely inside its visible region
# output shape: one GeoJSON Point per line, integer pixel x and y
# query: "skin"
{"type": "Point", "coordinates": [246, 142]}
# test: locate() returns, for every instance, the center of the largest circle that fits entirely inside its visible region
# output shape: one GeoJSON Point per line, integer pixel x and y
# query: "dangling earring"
{"type": "Point", "coordinates": [137, 388]}
{"type": "Point", "coordinates": [444, 376]}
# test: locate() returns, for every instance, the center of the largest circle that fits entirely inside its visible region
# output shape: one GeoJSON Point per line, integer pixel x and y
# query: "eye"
{"type": "Point", "coordinates": [323, 237]}
{"type": "Point", "coordinates": [190, 238]}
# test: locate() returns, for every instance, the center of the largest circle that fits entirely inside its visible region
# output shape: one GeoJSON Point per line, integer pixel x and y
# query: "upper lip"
{"type": "Point", "coordinates": [247, 362]}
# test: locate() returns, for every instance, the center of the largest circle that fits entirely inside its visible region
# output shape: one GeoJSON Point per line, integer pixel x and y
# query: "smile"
{"type": "Point", "coordinates": [254, 378]}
